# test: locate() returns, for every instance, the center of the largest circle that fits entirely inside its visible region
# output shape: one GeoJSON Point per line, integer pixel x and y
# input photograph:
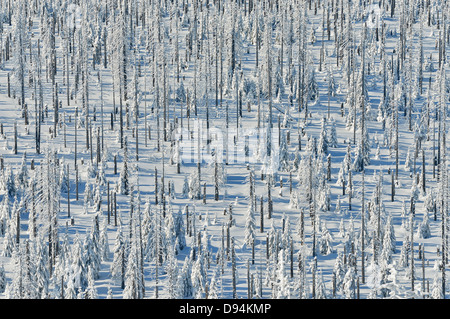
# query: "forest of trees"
{"type": "Point", "coordinates": [224, 149]}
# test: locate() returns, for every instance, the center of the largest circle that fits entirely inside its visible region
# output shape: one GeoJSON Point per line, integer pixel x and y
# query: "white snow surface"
{"type": "Point", "coordinates": [210, 219]}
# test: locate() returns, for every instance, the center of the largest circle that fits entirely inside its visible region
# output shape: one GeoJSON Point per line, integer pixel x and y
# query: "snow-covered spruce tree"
{"type": "Point", "coordinates": [194, 185]}
{"type": "Point", "coordinates": [430, 203]}
{"type": "Point", "coordinates": [169, 228]}
{"type": "Point", "coordinates": [234, 270]}
{"type": "Point", "coordinates": [2, 278]}
{"type": "Point", "coordinates": [180, 231]}
{"type": "Point", "coordinates": [21, 41]}
{"type": "Point", "coordinates": [15, 289]}
{"type": "Point", "coordinates": [133, 286]}
{"type": "Point", "coordinates": [321, 292]}
{"type": "Point", "coordinates": [266, 50]}
{"type": "Point", "coordinates": [97, 198]}
{"type": "Point", "coordinates": [339, 271]}
{"type": "Point", "coordinates": [312, 86]}
{"type": "Point", "coordinates": [117, 48]}
{"type": "Point", "coordinates": [185, 189]}
{"type": "Point", "coordinates": [9, 182]}
{"type": "Point", "coordinates": [70, 291]}
{"type": "Point", "coordinates": [272, 241]}
{"type": "Point", "coordinates": [408, 161]}
{"type": "Point", "coordinates": [42, 272]}
{"type": "Point", "coordinates": [250, 180]}
{"type": "Point", "coordinates": [156, 242]}
{"type": "Point", "coordinates": [101, 174]}
{"type": "Point", "coordinates": [325, 241]}
{"type": "Point", "coordinates": [78, 270]}
{"type": "Point", "coordinates": [286, 236]}
{"type": "Point", "coordinates": [88, 199]}
{"type": "Point", "coordinates": [388, 243]}
{"type": "Point", "coordinates": [281, 281]}
{"type": "Point", "coordinates": [284, 162]}
{"type": "Point", "coordinates": [324, 196]}
{"type": "Point", "coordinates": [250, 225]}
{"type": "Point", "coordinates": [61, 271]}
{"type": "Point", "coordinates": [198, 275]}
{"type": "Point", "coordinates": [322, 144]}
{"type": "Point", "coordinates": [119, 258]}
{"type": "Point", "coordinates": [349, 284]}
{"type": "Point", "coordinates": [296, 160]}
{"type": "Point", "coordinates": [31, 274]}
{"type": "Point", "coordinates": [92, 253]}
{"type": "Point", "coordinates": [332, 137]}
{"type": "Point", "coordinates": [303, 289]}
{"type": "Point", "coordinates": [362, 157]}
{"type": "Point", "coordinates": [23, 274]}
{"type": "Point", "coordinates": [91, 291]}
{"type": "Point", "coordinates": [171, 268]}
{"type": "Point", "coordinates": [184, 284]}
{"type": "Point", "coordinates": [49, 200]}
{"type": "Point", "coordinates": [22, 176]}
{"type": "Point", "coordinates": [5, 215]}
{"type": "Point", "coordinates": [424, 230]}
{"type": "Point", "coordinates": [220, 177]}
{"type": "Point", "coordinates": [213, 288]}
{"type": "Point", "coordinates": [162, 43]}
{"type": "Point", "coordinates": [64, 179]}
{"type": "Point", "coordinates": [338, 208]}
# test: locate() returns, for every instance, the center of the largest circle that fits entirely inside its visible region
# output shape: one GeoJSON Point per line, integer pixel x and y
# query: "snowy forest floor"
{"type": "Point", "coordinates": [382, 279]}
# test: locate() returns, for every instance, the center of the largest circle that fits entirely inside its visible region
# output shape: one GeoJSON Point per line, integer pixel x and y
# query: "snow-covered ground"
{"type": "Point", "coordinates": [331, 223]}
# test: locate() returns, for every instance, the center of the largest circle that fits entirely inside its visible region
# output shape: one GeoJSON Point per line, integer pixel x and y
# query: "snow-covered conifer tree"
{"type": "Point", "coordinates": [184, 285]}
{"type": "Point", "coordinates": [250, 225]}
{"type": "Point", "coordinates": [124, 179]}
{"type": "Point", "coordinates": [119, 259]}
{"type": "Point", "coordinates": [325, 241]}
{"type": "Point", "coordinates": [424, 230]}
